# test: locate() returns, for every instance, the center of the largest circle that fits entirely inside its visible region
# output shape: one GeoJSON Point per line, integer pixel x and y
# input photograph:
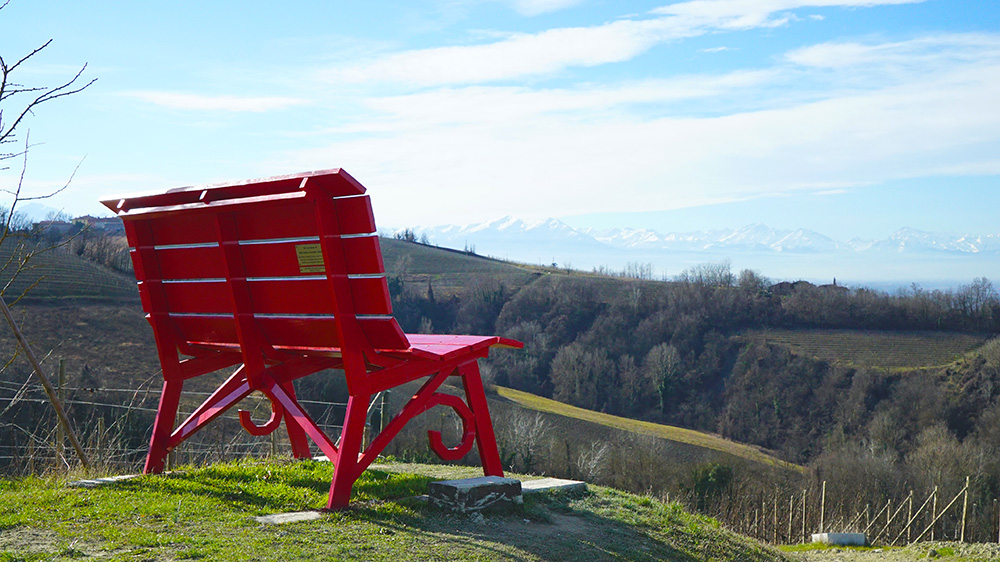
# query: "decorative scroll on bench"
{"type": "Point", "coordinates": [284, 277]}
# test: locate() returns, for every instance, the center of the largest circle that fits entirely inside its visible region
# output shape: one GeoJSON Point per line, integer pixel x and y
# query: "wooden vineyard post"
{"type": "Point", "coordinates": [822, 508]}
{"type": "Point", "coordinates": [912, 518]}
{"type": "Point", "coordinates": [965, 509]}
{"type": "Point", "coordinates": [943, 511]}
{"type": "Point", "coordinates": [804, 537]}
{"type": "Point", "coordinates": [934, 511]}
{"type": "Point", "coordinates": [888, 509]}
{"type": "Point", "coordinates": [774, 528]}
{"type": "Point", "coordinates": [909, 517]}
{"type": "Point", "coordinates": [100, 439]}
{"type": "Point", "coordinates": [56, 404]}
{"type": "Point", "coordinates": [791, 510]}
{"type": "Point", "coordinates": [61, 393]}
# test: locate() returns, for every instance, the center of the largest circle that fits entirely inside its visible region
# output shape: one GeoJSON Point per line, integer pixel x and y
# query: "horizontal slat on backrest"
{"type": "Point", "coordinates": [191, 263]}
{"type": "Point", "coordinates": [278, 296]}
{"type": "Point", "coordinates": [190, 228]}
{"type": "Point", "coordinates": [273, 259]}
{"type": "Point", "coordinates": [300, 332]}
{"type": "Point", "coordinates": [294, 219]}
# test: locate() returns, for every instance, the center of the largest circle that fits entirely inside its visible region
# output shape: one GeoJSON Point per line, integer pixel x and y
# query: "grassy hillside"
{"type": "Point", "coordinates": [868, 348]}
{"type": "Point", "coordinates": [669, 433]}
{"type": "Point", "coordinates": [58, 275]}
{"type": "Point", "coordinates": [448, 270]}
{"type": "Point", "coordinates": [208, 514]}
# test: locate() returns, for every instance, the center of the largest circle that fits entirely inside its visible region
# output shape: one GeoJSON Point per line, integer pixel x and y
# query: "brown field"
{"type": "Point", "coordinates": [892, 350]}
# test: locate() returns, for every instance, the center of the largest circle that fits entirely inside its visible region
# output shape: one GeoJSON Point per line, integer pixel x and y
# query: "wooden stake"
{"type": "Point", "coordinates": [804, 537]}
{"type": "Point", "coordinates": [965, 509]}
{"type": "Point", "coordinates": [56, 404]}
{"type": "Point", "coordinates": [822, 508]}
{"type": "Point", "coordinates": [909, 517]}
{"type": "Point", "coordinates": [943, 511]}
{"type": "Point", "coordinates": [934, 512]}
{"type": "Point", "coordinates": [791, 509]}
{"type": "Point", "coordinates": [774, 528]}
{"type": "Point", "coordinates": [61, 393]}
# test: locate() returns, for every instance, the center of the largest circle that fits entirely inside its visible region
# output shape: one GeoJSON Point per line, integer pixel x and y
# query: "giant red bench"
{"type": "Point", "coordinates": [284, 277]}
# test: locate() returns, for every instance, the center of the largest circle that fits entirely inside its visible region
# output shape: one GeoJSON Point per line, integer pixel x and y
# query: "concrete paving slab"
{"type": "Point", "coordinates": [550, 484]}
{"type": "Point", "coordinates": [841, 539]}
{"type": "Point", "coordinates": [292, 517]}
{"type": "Point", "coordinates": [95, 482]}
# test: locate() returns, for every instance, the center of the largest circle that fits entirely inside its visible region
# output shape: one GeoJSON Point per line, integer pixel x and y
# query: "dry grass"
{"type": "Point", "coordinates": [892, 350]}
{"type": "Point", "coordinates": [667, 432]}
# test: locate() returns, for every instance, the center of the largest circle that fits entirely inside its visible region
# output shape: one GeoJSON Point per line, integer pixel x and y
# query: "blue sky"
{"type": "Point", "coordinates": [852, 117]}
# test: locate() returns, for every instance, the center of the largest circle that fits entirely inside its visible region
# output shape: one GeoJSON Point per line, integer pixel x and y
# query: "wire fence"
{"type": "Point", "coordinates": [115, 432]}
{"type": "Point", "coordinates": [115, 435]}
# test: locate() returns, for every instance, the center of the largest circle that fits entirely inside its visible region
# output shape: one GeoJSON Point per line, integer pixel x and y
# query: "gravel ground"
{"type": "Point", "coordinates": [944, 551]}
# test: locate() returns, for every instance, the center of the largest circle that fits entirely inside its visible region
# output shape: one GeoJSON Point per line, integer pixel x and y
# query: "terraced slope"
{"type": "Point", "coordinates": [902, 350]}
{"type": "Point", "coordinates": [58, 274]}
{"type": "Point", "coordinates": [448, 270]}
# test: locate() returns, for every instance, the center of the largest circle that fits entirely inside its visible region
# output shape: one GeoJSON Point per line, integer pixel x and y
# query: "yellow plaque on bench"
{"type": "Point", "coordinates": [310, 258]}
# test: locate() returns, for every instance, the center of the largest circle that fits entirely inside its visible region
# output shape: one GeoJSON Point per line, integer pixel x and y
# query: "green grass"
{"type": "Point", "coordinates": [208, 514]}
{"type": "Point", "coordinates": [892, 350]}
{"type": "Point", "coordinates": [668, 432]}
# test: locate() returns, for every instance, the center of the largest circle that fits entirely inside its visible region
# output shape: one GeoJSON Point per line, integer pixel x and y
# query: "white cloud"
{"type": "Point", "coordinates": [516, 56]}
{"type": "Point", "coordinates": [176, 100]}
{"type": "Point", "coordinates": [562, 152]}
{"type": "Point", "coordinates": [554, 50]}
{"type": "Point", "coordinates": [746, 14]}
{"type": "Point", "coordinates": [936, 50]}
{"type": "Point", "coordinates": [536, 7]}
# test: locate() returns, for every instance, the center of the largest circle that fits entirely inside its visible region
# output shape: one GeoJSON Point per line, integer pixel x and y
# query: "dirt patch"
{"type": "Point", "coordinates": [29, 540]}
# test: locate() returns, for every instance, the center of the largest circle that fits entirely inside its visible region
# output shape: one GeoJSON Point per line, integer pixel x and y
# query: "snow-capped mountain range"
{"type": "Point", "coordinates": [908, 254]}
{"type": "Point", "coordinates": [750, 238]}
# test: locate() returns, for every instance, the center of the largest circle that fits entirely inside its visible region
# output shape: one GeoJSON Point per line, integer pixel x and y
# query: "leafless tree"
{"type": "Point", "coordinates": [18, 102]}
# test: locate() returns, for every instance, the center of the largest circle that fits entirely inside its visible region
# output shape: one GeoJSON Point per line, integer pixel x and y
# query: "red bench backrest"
{"type": "Point", "coordinates": [295, 260]}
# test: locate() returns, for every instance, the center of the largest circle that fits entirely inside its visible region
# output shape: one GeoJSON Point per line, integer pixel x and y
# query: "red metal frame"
{"type": "Point", "coordinates": [284, 277]}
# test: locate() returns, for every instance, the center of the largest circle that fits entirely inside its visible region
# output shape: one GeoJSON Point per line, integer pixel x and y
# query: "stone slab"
{"type": "Point", "coordinates": [552, 484]}
{"type": "Point", "coordinates": [841, 539]}
{"type": "Point", "coordinates": [95, 482]}
{"type": "Point", "coordinates": [475, 494]}
{"type": "Point", "coordinates": [292, 517]}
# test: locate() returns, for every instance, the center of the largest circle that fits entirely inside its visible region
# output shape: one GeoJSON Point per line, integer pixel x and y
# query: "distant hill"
{"type": "Point", "coordinates": [448, 270]}
{"type": "Point", "coordinates": [871, 348]}
{"type": "Point", "coordinates": [58, 274]}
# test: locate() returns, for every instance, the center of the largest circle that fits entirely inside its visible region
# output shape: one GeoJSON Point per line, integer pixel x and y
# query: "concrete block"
{"type": "Point", "coordinates": [96, 482]}
{"type": "Point", "coordinates": [475, 494]}
{"type": "Point", "coordinates": [293, 517]}
{"type": "Point", "coordinates": [552, 484]}
{"type": "Point", "coordinates": [841, 539]}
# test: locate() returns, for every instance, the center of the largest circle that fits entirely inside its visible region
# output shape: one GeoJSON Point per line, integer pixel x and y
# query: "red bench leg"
{"type": "Point", "coordinates": [296, 435]}
{"type": "Point", "coordinates": [166, 416]}
{"type": "Point", "coordinates": [345, 467]}
{"type": "Point", "coordinates": [475, 397]}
